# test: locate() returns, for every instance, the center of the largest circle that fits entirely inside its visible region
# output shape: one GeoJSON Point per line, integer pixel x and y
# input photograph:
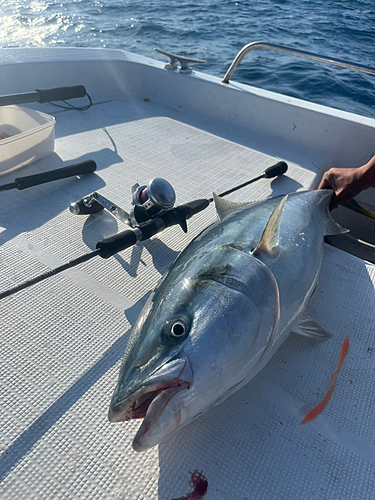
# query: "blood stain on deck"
{"type": "Point", "coordinates": [199, 484]}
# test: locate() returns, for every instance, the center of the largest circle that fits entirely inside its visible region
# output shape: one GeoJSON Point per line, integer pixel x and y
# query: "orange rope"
{"type": "Point", "coordinates": [320, 407]}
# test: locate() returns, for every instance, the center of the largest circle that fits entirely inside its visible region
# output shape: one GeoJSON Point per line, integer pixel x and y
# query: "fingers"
{"type": "Point", "coordinates": [324, 183]}
{"type": "Point", "coordinates": [328, 182]}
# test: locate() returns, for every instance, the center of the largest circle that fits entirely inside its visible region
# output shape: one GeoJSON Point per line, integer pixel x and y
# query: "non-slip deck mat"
{"type": "Point", "coordinates": [62, 340]}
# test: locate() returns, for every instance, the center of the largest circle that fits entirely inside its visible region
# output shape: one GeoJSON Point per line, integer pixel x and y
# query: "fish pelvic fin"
{"type": "Point", "coordinates": [332, 227]}
{"type": "Point", "coordinates": [225, 206]}
{"type": "Point", "coordinates": [269, 242]}
{"type": "Point", "coordinates": [307, 327]}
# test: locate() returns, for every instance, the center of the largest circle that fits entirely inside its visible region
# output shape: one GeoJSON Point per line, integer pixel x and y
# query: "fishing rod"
{"type": "Point", "coordinates": [156, 197]}
{"type": "Point", "coordinates": [148, 217]}
{"type": "Point", "coordinates": [274, 171]}
{"type": "Point", "coordinates": [44, 95]}
{"type": "Point", "coordinates": [85, 167]}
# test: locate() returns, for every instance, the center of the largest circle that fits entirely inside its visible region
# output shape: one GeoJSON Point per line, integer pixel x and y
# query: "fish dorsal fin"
{"type": "Point", "coordinates": [332, 227]}
{"type": "Point", "coordinates": [224, 206]}
{"type": "Point", "coordinates": [308, 328]}
{"type": "Point", "coordinates": [269, 242]}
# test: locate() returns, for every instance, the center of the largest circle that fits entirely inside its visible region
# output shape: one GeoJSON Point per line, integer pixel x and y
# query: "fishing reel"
{"type": "Point", "coordinates": [152, 211]}
{"type": "Point", "coordinates": [148, 202]}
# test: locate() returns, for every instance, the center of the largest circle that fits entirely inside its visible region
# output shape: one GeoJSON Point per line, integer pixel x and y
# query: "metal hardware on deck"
{"type": "Point", "coordinates": [294, 52]}
{"type": "Point", "coordinates": [184, 61]}
{"type": "Point", "coordinates": [118, 212]}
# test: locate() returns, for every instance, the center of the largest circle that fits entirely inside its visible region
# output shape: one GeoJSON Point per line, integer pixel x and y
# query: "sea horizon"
{"type": "Point", "coordinates": [215, 31]}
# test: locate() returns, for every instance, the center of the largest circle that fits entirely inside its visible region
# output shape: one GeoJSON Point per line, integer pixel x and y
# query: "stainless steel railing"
{"type": "Point", "coordinates": [294, 52]}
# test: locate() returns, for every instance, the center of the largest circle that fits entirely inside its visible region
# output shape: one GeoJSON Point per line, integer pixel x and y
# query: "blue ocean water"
{"type": "Point", "coordinates": [215, 30]}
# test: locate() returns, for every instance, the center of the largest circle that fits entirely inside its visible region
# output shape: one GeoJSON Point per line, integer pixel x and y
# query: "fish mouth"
{"type": "Point", "coordinates": [149, 400]}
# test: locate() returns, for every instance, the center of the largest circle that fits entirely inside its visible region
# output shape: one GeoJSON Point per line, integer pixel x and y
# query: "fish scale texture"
{"type": "Point", "coordinates": [62, 340]}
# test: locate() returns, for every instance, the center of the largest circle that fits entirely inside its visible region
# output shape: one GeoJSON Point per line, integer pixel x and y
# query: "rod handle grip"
{"type": "Point", "coordinates": [279, 168]}
{"type": "Point", "coordinates": [116, 243]}
{"type": "Point", "coordinates": [128, 238]}
{"type": "Point", "coordinates": [85, 167]}
{"type": "Point", "coordinates": [60, 93]}
{"type": "Point", "coordinates": [194, 207]}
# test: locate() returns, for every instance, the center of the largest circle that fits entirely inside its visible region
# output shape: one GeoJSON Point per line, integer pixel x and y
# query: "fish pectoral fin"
{"type": "Point", "coordinates": [269, 242]}
{"type": "Point", "coordinates": [307, 327]}
{"type": "Point", "coordinates": [225, 206]}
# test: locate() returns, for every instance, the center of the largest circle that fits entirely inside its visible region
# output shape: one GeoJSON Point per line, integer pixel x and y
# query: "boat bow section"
{"type": "Point", "coordinates": [62, 339]}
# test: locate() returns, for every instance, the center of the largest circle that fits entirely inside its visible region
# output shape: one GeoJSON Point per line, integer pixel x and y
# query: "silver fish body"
{"type": "Point", "coordinates": [221, 311]}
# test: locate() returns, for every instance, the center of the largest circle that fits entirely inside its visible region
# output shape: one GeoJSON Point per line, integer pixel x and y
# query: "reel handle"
{"type": "Point", "coordinates": [82, 208]}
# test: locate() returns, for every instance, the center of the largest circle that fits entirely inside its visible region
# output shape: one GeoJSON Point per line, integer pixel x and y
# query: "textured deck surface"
{"type": "Point", "coordinates": [62, 340]}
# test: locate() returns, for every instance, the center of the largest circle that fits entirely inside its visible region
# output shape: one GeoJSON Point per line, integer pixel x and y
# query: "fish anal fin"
{"type": "Point", "coordinates": [225, 206]}
{"type": "Point", "coordinates": [307, 327]}
{"type": "Point", "coordinates": [269, 242]}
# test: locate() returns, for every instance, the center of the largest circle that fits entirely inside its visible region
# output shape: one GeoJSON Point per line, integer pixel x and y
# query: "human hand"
{"type": "Point", "coordinates": [345, 183]}
{"type": "Point", "coordinates": [348, 182]}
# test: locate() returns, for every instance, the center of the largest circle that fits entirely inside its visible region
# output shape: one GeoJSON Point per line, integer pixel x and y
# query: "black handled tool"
{"type": "Point", "coordinates": [85, 167]}
{"type": "Point", "coordinates": [114, 244]}
{"type": "Point", "coordinates": [44, 95]}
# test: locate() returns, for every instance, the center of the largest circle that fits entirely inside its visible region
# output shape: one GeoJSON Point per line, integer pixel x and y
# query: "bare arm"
{"type": "Point", "coordinates": [348, 182]}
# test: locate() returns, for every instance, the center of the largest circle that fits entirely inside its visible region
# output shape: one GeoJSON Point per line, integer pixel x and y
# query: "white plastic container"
{"type": "Point", "coordinates": [31, 136]}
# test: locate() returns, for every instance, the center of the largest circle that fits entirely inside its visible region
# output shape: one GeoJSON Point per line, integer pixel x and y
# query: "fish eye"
{"type": "Point", "coordinates": [178, 329]}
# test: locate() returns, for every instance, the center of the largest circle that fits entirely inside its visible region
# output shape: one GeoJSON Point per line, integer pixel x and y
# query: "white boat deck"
{"type": "Point", "coordinates": [62, 340]}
